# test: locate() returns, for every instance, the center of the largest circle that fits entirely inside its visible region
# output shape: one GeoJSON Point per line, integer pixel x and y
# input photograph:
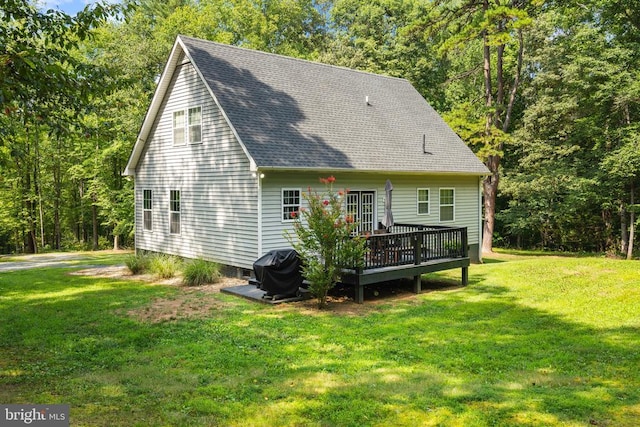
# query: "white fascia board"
{"type": "Point", "coordinates": [154, 107]}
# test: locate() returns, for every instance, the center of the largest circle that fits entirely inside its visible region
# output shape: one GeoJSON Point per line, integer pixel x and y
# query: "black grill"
{"type": "Point", "coordinates": [278, 273]}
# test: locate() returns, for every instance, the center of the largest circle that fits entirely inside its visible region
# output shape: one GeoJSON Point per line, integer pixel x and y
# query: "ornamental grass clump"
{"type": "Point", "coordinates": [198, 272]}
{"type": "Point", "coordinates": [138, 264]}
{"type": "Point", "coordinates": [326, 239]}
{"type": "Point", "coordinates": [164, 266]}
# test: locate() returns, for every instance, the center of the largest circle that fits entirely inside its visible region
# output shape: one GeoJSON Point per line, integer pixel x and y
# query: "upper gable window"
{"type": "Point", "coordinates": [195, 125]}
{"type": "Point", "coordinates": [178, 127]}
{"type": "Point", "coordinates": [187, 126]}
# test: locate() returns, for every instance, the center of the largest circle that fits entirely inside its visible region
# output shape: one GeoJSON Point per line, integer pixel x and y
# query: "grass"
{"type": "Point", "coordinates": [534, 341]}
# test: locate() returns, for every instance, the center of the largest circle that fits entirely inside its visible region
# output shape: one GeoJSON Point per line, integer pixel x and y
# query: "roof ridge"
{"type": "Point", "coordinates": [291, 58]}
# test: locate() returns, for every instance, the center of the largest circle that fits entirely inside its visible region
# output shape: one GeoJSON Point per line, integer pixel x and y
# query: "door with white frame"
{"type": "Point", "coordinates": [361, 206]}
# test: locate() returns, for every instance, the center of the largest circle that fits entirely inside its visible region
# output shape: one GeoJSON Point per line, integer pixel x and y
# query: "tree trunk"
{"type": "Point", "coordinates": [94, 221]}
{"type": "Point", "coordinates": [116, 246]}
{"type": "Point", "coordinates": [632, 224]}
{"type": "Point", "coordinates": [57, 197]}
{"type": "Point", "coordinates": [490, 190]}
{"type": "Point", "coordinates": [41, 216]}
{"type": "Point", "coordinates": [31, 238]}
{"type": "Point", "coordinates": [624, 232]}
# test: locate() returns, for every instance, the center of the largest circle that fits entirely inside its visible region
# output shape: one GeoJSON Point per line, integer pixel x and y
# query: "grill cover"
{"type": "Point", "coordinates": [278, 272]}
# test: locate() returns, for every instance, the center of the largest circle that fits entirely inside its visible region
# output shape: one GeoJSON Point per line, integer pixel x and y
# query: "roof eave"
{"type": "Point", "coordinates": [372, 171]}
{"type": "Point", "coordinates": [154, 107]}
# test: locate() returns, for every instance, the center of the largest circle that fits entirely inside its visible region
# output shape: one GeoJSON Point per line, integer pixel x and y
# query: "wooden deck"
{"type": "Point", "coordinates": [410, 250]}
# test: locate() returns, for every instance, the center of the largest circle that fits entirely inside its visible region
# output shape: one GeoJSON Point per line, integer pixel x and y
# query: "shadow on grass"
{"type": "Point", "coordinates": [55, 324]}
{"type": "Point", "coordinates": [542, 253]}
{"type": "Point", "coordinates": [452, 360]}
{"type": "Point", "coordinates": [475, 356]}
{"type": "Point", "coordinates": [486, 260]}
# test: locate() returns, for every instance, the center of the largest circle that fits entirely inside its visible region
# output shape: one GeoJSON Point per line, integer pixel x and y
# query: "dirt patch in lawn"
{"type": "Point", "coordinates": [199, 301]}
{"type": "Point", "coordinates": [189, 302]}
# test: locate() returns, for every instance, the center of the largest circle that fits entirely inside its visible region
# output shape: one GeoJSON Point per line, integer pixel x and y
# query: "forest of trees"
{"type": "Point", "coordinates": [547, 93]}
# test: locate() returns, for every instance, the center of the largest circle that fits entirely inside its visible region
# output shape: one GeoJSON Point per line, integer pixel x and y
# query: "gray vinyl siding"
{"type": "Point", "coordinates": [404, 199]}
{"type": "Point", "coordinates": [219, 195]}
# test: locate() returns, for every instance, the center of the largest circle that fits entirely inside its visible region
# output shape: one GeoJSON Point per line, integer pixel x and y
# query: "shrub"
{"type": "Point", "coordinates": [198, 272]}
{"type": "Point", "coordinates": [164, 266]}
{"type": "Point", "coordinates": [138, 264]}
{"type": "Point", "coordinates": [325, 239]}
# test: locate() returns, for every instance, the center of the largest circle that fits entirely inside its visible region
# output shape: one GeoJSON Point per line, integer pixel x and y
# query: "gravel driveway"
{"type": "Point", "coordinates": [41, 261]}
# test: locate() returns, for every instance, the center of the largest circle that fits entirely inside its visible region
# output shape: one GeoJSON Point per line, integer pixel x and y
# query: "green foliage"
{"type": "Point", "coordinates": [36, 50]}
{"type": "Point", "coordinates": [324, 239]}
{"type": "Point", "coordinates": [575, 155]}
{"type": "Point", "coordinates": [198, 272]}
{"type": "Point", "coordinates": [469, 122]}
{"type": "Point", "coordinates": [387, 37]}
{"type": "Point", "coordinates": [164, 266]}
{"type": "Point", "coordinates": [138, 263]}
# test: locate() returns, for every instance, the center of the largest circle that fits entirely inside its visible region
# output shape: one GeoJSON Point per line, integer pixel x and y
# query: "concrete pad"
{"type": "Point", "coordinates": [253, 293]}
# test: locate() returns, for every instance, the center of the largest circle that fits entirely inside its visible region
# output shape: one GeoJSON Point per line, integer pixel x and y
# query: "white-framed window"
{"type": "Point", "coordinates": [174, 212]}
{"type": "Point", "coordinates": [422, 198]}
{"type": "Point", "coordinates": [147, 210]}
{"type": "Point", "coordinates": [447, 204]}
{"type": "Point", "coordinates": [179, 131]}
{"type": "Point", "coordinates": [195, 125]}
{"type": "Point", "coordinates": [187, 126]}
{"type": "Point", "coordinates": [290, 203]}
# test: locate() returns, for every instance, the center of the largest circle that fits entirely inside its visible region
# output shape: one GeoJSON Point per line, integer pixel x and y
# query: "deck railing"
{"type": "Point", "coordinates": [404, 244]}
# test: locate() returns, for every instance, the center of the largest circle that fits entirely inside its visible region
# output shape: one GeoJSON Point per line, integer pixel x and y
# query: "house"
{"type": "Point", "coordinates": [233, 137]}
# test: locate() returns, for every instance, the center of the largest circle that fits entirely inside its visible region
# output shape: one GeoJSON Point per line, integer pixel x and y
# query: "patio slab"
{"type": "Point", "coordinates": [253, 293]}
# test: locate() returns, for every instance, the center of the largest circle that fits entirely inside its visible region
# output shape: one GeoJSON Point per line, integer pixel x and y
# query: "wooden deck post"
{"type": "Point", "coordinates": [358, 288]}
{"type": "Point", "coordinates": [417, 256]}
{"type": "Point", "coordinates": [417, 284]}
{"type": "Point", "coordinates": [465, 253]}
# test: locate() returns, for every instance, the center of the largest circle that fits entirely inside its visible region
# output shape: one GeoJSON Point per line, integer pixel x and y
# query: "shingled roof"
{"type": "Point", "coordinates": [295, 114]}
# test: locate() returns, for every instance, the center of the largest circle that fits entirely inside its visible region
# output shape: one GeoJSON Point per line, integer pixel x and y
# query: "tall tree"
{"type": "Point", "coordinates": [493, 32]}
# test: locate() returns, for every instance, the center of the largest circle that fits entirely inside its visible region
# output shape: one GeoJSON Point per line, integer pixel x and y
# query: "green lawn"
{"type": "Point", "coordinates": [533, 341]}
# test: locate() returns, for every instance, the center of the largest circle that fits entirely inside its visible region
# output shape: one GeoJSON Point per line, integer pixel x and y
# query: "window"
{"type": "Point", "coordinates": [447, 204]}
{"type": "Point", "coordinates": [195, 125]}
{"type": "Point", "coordinates": [178, 128]}
{"type": "Point", "coordinates": [174, 211]}
{"type": "Point", "coordinates": [187, 126]}
{"type": "Point", "coordinates": [423, 201]}
{"type": "Point", "coordinates": [147, 209]}
{"type": "Point", "coordinates": [290, 203]}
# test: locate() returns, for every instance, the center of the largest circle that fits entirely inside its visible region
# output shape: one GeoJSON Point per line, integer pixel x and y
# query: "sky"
{"type": "Point", "coordinates": [70, 7]}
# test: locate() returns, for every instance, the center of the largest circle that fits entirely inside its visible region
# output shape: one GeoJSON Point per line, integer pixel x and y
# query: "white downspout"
{"type": "Point", "coordinates": [259, 178]}
{"type": "Point", "coordinates": [480, 228]}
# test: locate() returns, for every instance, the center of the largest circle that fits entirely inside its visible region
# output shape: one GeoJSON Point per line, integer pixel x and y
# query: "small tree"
{"type": "Point", "coordinates": [325, 238]}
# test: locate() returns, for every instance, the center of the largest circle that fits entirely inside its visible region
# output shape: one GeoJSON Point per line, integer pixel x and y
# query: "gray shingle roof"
{"type": "Point", "coordinates": [291, 113]}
